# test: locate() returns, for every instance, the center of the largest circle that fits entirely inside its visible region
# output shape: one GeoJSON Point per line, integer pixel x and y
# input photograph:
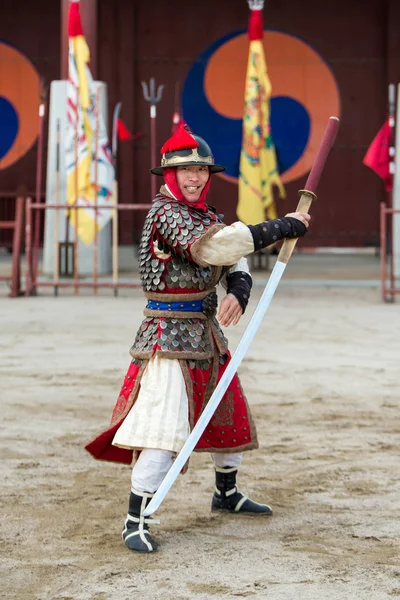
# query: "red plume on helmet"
{"type": "Point", "coordinates": [180, 140]}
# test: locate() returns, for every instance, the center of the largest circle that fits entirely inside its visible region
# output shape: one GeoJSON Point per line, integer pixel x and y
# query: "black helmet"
{"type": "Point", "coordinates": [179, 151]}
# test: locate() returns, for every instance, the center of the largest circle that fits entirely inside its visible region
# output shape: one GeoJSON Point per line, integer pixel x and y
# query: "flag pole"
{"type": "Point", "coordinates": [392, 167]}
{"type": "Point", "coordinates": [114, 150]}
{"type": "Point", "coordinates": [396, 194]}
{"type": "Point", "coordinates": [96, 176]}
{"type": "Point", "coordinates": [56, 274]}
{"type": "Point", "coordinates": [392, 123]}
{"type": "Point", "coordinates": [76, 210]}
{"type": "Point", "coordinates": [39, 172]}
{"type": "Point", "coordinates": [68, 215]}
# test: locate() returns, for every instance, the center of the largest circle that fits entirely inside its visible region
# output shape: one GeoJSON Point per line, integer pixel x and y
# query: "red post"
{"type": "Point", "coordinates": [28, 247]}
{"type": "Point", "coordinates": [153, 144]}
{"type": "Point", "coordinates": [16, 225]}
{"type": "Point", "coordinates": [17, 243]}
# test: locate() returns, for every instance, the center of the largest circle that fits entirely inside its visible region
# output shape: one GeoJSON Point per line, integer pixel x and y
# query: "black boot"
{"type": "Point", "coordinates": [136, 531]}
{"type": "Point", "coordinates": [227, 498]}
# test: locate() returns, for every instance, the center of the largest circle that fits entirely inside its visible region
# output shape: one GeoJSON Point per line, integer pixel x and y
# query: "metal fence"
{"type": "Point", "coordinates": [33, 282]}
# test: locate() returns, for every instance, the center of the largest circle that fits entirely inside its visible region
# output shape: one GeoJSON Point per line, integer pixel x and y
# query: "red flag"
{"type": "Point", "coordinates": [123, 132]}
{"type": "Point", "coordinates": [377, 156]}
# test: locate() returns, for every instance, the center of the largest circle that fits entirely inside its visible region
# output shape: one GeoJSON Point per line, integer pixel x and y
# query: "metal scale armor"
{"type": "Point", "coordinates": [180, 315]}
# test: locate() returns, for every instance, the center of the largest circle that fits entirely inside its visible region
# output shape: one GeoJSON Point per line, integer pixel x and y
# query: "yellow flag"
{"type": "Point", "coordinates": [90, 171]}
{"type": "Point", "coordinates": [258, 165]}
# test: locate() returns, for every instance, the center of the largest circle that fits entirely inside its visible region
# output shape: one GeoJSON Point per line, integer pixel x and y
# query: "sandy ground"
{"type": "Point", "coordinates": [322, 377]}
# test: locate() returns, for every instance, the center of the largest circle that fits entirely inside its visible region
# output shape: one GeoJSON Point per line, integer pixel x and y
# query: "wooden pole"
{"type": "Point", "coordinates": [76, 211]}
{"type": "Point", "coordinates": [28, 247]}
{"type": "Point", "coordinates": [115, 239]}
{"type": "Point", "coordinates": [39, 171]}
{"type": "Point", "coordinates": [115, 216]}
{"type": "Point", "coordinates": [153, 144]}
{"type": "Point", "coordinates": [56, 275]}
{"type": "Point", "coordinates": [96, 175]}
{"type": "Point", "coordinates": [15, 290]}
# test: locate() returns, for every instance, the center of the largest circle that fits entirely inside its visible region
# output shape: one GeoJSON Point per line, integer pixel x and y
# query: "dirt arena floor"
{"type": "Point", "coordinates": [322, 377]}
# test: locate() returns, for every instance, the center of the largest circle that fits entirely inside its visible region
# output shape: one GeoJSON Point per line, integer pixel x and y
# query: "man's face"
{"type": "Point", "coordinates": [191, 181]}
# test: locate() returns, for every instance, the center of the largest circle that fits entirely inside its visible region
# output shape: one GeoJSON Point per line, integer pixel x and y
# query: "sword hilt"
{"type": "Point", "coordinates": [307, 196]}
{"type": "Point", "coordinates": [304, 205]}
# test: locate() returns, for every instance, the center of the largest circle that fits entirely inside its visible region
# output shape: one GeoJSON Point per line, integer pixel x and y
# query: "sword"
{"type": "Point", "coordinates": [307, 197]}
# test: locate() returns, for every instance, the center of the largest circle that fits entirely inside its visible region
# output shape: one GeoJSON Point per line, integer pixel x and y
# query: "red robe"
{"type": "Point", "coordinates": [196, 341]}
{"type": "Point", "coordinates": [231, 429]}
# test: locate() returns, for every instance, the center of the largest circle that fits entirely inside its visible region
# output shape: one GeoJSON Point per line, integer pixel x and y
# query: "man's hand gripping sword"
{"type": "Point", "coordinates": [307, 196]}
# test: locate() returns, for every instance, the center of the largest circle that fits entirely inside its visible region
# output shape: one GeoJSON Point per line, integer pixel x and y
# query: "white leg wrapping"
{"type": "Point", "coordinates": [150, 469]}
{"type": "Point", "coordinates": [225, 459]}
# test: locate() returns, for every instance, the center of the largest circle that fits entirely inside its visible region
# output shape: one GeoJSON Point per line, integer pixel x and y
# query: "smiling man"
{"type": "Point", "coordinates": [191, 181]}
{"type": "Point", "coordinates": [180, 351]}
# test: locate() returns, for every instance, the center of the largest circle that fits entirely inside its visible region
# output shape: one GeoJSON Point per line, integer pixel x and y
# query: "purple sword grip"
{"type": "Point", "coordinates": [322, 154]}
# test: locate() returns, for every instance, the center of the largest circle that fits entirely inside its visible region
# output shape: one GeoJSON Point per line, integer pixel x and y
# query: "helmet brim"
{"type": "Point", "coordinates": [213, 168]}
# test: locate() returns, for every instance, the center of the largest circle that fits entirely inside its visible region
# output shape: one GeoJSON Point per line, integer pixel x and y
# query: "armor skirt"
{"type": "Point", "coordinates": [151, 415]}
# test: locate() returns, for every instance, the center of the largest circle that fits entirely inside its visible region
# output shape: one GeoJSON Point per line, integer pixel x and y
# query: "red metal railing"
{"type": "Point", "coordinates": [7, 213]}
{"type": "Point", "coordinates": [32, 281]}
{"type": "Point", "coordinates": [388, 282]}
{"type": "Point", "coordinates": [15, 226]}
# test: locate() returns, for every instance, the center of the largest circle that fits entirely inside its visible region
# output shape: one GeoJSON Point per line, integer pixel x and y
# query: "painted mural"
{"type": "Point", "coordinates": [19, 104]}
{"type": "Point", "coordinates": [304, 96]}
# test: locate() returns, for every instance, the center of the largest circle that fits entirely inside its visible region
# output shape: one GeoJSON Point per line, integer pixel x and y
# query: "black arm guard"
{"type": "Point", "coordinates": [269, 232]}
{"type": "Point", "coordinates": [240, 284]}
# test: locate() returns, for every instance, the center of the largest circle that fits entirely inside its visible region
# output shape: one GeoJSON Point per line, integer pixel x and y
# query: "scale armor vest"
{"type": "Point", "coordinates": [173, 227]}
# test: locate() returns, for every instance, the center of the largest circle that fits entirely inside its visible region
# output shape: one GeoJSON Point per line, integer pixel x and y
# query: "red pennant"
{"type": "Point", "coordinates": [123, 132]}
{"type": "Point", "coordinates": [377, 156]}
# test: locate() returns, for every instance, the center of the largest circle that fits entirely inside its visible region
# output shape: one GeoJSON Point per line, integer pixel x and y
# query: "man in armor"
{"type": "Point", "coordinates": [180, 351]}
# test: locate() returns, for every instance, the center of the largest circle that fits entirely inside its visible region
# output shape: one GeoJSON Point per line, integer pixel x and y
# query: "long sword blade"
{"type": "Point", "coordinates": [220, 390]}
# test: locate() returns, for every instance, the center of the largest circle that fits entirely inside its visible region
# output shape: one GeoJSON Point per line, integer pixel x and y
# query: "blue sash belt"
{"type": "Point", "coordinates": [193, 306]}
